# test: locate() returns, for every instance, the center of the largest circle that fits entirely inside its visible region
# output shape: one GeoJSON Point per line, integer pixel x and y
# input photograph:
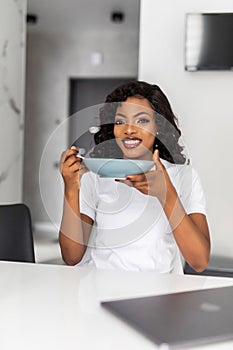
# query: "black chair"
{"type": "Point", "coordinates": [16, 239]}
{"type": "Point", "coordinates": [218, 266]}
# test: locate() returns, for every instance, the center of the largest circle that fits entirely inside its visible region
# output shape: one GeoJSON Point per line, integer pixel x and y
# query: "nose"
{"type": "Point", "coordinates": [130, 129]}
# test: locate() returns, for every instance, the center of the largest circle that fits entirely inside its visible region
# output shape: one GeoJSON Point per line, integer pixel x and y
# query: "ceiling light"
{"type": "Point", "coordinates": [97, 58]}
{"type": "Point", "coordinates": [117, 16]}
{"type": "Point", "coordinates": [32, 18]}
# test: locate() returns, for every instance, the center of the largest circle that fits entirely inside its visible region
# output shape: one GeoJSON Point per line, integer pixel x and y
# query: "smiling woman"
{"type": "Point", "coordinates": [127, 101]}
{"type": "Point", "coordinates": [145, 221]}
{"type": "Point", "coordinates": [135, 128]}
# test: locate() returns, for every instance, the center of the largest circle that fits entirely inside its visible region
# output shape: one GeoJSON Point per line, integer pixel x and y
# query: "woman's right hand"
{"type": "Point", "coordinates": [71, 168]}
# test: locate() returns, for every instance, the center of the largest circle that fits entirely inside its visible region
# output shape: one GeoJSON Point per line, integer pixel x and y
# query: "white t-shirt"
{"type": "Point", "coordinates": [130, 230]}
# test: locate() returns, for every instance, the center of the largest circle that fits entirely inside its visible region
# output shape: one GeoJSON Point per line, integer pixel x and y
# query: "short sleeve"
{"type": "Point", "coordinates": [87, 196]}
{"type": "Point", "coordinates": [196, 203]}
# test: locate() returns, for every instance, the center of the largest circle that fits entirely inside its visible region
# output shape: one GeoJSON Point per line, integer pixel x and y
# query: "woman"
{"type": "Point", "coordinates": [145, 221]}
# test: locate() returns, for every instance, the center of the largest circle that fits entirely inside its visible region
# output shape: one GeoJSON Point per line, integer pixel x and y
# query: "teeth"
{"type": "Point", "coordinates": [131, 142]}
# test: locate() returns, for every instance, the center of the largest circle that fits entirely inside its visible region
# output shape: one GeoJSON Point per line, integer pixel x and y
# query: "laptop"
{"type": "Point", "coordinates": [178, 320]}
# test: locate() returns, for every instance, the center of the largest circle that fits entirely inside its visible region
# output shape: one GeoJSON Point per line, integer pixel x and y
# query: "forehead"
{"type": "Point", "coordinates": [135, 104]}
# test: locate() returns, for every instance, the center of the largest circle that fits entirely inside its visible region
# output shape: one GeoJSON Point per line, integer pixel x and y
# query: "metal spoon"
{"type": "Point", "coordinates": [79, 156]}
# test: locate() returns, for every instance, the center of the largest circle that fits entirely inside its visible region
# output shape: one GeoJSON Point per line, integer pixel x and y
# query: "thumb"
{"type": "Point", "coordinates": [156, 159]}
{"type": "Point", "coordinates": [73, 147]}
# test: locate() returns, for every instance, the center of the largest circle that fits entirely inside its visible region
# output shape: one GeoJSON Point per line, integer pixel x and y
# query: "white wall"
{"type": "Point", "coordinates": [202, 101]}
{"type": "Point", "coordinates": [52, 59]}
{"type": "Point", "coordinates": [12, 78]}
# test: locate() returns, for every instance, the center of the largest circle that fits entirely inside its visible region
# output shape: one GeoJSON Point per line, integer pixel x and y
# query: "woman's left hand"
{"type": "Point", "coordinates": [154, 183]}
{"type": "Point", "coordinates": [194, 246]}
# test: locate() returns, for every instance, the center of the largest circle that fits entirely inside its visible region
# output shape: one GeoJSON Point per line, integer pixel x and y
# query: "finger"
{"type": "Point", "coordinates": [72, 169]}
{"type": "Point", "coordinates": [62, 160]}
{"type": "Point", "coordinates": [77, 152]}
{"type": "Point", "coordinates": [140, 186]}
{"type": "Point", "coordinates": [73, 160]}
{"type": "Point", "coordinates": [157, 160]}
{"type": "Point", "coordinates": [81, 171]}
{"type": "Point", "coordinates": [66, 154]}
{"type": "Point", "coordinates": [69, 162]}
{"type": "Point", "coordinates": [126, 182]}
{"type": "Point", "coordinates": [71, 157]}
{"type": "Point", "coordinates": [75, 167]}
{"type": "Point", "coordinates": [72, 151]}
{"type": "Point", "coordinates": [136, 178]}
{"type": "Point", "coordinates": [63, 156]}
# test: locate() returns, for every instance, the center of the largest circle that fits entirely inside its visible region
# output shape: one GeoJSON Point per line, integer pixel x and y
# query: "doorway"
{"type": "Point", "coordinates": [85, 96]}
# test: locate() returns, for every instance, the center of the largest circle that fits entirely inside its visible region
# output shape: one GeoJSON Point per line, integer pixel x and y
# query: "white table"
{"type": "Point", "coordinates": [57, 307]}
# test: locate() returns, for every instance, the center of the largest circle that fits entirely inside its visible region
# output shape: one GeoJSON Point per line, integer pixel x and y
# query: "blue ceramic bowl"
{"type": "Point", "coordinates": [118, 168]}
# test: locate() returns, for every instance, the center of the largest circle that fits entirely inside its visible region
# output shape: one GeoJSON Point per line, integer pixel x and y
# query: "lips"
{"type": "Point", "coordinates": [131, 142]}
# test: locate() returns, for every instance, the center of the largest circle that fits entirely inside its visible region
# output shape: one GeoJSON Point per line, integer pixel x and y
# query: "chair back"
{"type": "Point", "coordinates": [16, 239]}
{"type": "Point", "coordinates": [218, 266]}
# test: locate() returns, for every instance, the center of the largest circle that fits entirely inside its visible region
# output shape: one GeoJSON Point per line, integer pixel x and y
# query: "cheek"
{"type": "Point", "coordinates": [149, 132]}
{"type": "Point", "coordinates": [117, 135]}
{"type": "Point", "coordinates": [150, 141]}
{"type": "Point", "coordinates": [149, 138]}
{"type": "Point", "coordinates": [118, 131]}
{"type": "Point", "coordinates": [115, 132]}
{"type": "Point", "coordinates": [149, 129]}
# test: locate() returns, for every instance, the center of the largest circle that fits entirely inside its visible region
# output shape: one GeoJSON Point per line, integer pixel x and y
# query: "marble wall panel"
{"type": "Point", "coordinates": [12, 77]}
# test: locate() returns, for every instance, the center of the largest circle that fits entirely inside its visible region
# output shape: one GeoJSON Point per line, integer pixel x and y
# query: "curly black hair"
{"type": "Point", "coordinates": [168, 133]}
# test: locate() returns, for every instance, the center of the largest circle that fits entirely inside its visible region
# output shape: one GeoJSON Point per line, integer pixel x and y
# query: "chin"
{"type": "Point", "coordinates": [131, 154]}
{"type": "Point", "coordinates": [135, 154]}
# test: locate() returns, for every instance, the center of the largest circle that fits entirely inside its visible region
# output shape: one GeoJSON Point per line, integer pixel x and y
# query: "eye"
{"type": "Point", "coordinates": [143, 121]}
{"type": "Point", "coordinates": [119, 122]}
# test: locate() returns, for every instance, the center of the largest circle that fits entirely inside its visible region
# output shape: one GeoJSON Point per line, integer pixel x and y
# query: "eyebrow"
{"type": "Point", "coordinates": [136, 115]}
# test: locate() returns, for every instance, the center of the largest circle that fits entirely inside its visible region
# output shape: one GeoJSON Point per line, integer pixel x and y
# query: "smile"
{"type": "Point", "coordinates": [131, 143]}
